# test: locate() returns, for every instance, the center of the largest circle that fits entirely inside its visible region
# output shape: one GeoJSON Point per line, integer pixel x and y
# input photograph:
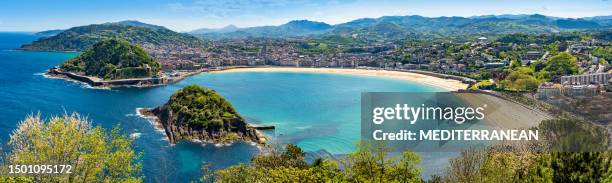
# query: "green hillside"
{"type": "Point", "coordinates": [83, 37]}
{"type": "Point", "coordinates": [113, 59]}
{"type": "Point", "coordinates": [197, 106]}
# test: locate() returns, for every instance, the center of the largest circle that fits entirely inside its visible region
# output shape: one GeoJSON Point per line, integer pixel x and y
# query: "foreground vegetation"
{"type": "Point", "coordinates": [94, 154]}
{"type": "Point", "coordinates": [574, 151]}
{"type": "Point", "coordinates": [369, 165]}
{"type": "Point", "coordinates": [113, 59]}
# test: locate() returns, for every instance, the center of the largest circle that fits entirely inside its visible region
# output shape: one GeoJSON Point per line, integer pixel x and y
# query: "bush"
{"type": "Point", "coordinates": [95, 155]}
{"type": "Point", "coordinates": [290, 166]}
{"type": "Point", "coordinates": [483, 85]}
{"type": "Point", "coordinates": [519, 81]}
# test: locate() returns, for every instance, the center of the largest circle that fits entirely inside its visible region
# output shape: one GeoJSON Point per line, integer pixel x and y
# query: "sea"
{"type": "Point", "coordinates": [318, 112]}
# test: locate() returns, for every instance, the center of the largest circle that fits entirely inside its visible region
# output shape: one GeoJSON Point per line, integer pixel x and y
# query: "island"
{"type": "Point", "coordinates": [111, 62]}
{"type": "Point", "coordinates": [201, 114]}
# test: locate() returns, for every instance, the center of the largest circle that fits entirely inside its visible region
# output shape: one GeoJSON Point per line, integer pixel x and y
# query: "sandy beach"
{"type": "Point", "coordinates": [504, 114]}
{"type": "Point", "coordinates": [447, 84]}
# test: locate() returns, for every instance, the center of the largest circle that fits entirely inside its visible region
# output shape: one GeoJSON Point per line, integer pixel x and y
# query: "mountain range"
{"type": "Point", "coordinates": [401, 26]}
{"type": "Point", "coordinates": [366, 29]}
{"type": "Point", "coordinates": [293, 28]}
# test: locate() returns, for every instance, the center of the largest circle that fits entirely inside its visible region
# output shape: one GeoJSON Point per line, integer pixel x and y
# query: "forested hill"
{"type": "Point", "coordinates": [200, 113]}
{"type": "Point", "coordinates": [83, 37]}
{"type": "Point", "coordinates": [113, 59]}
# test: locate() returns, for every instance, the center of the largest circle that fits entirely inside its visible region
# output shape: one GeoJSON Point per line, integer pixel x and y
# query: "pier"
{"type": "Point", "coordinates": [262, 127]}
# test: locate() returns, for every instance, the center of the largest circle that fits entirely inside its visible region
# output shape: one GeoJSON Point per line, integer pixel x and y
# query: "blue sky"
{"type": "Point", "coordinates": [185, 15]}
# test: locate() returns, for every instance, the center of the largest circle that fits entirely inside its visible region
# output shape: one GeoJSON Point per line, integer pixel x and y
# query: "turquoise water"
{"type": "Point", "coordinates": [318, 112]}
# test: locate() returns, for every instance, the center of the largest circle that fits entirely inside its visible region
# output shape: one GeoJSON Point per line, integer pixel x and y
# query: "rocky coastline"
{"type": "Point", "coordinates": [234, 130]}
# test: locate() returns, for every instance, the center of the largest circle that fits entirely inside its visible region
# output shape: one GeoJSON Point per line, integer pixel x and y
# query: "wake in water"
{"type": "Point", "coordinates": [135, 135]}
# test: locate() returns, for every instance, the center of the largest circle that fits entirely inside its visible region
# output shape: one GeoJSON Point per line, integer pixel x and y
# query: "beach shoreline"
{"type": "Point", "coordinates": [502, 113]}
{"type": "Point", "coordinates": [446, 84]}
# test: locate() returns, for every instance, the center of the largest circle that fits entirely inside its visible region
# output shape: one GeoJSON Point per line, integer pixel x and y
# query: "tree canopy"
{"type": "Point", "coordinates": [114, 59]}
{"type": "Point", "coordinates": [560, 65]}
{"type": "Point", "coordinates": [94, 154]}
{"type": "Point", "coordinates": [289, 165]}
{"type": "Point", "coordinates": [197, 106]}
{"type": "Point", "coordinates": [554, 160]}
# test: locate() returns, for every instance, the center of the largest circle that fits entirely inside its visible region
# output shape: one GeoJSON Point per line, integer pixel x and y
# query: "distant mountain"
{"type": "Point", "coordinates": [83, 37]}
{"type": "Point", "coordinates": [229, 28]}
{"type": "Point", "coordinates": [577, 24]}
{"type": "Point", "coordinates": [49, 33]}
{"type": "Point", "coordinates": [138, 24]}
{"type": "Point", "coordinates": [393, 27]}
{"type": "Point", "coordinates": [291, 29]}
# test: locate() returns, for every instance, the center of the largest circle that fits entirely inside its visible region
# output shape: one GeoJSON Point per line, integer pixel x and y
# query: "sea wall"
{"type": "Point", "coordinates": [119, 82]}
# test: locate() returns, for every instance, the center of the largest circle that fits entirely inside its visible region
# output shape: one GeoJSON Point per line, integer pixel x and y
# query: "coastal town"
{"type": "Point", "coordinates": [480, 59]}
{"type": "Point", "coordinates": [306, 91]}
{"type": "Point", "coordinates": [483, 64]}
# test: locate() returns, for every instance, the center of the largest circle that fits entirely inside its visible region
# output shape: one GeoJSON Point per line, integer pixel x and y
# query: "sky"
{"type": "Point", "coordinates": [186, 15]}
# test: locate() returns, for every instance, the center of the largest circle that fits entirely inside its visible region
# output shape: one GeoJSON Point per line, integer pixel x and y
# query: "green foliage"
{"type": "Point", "coordinates": [529, 78]}
{"type": "Point", "coordinates": [573, 135]}
{"type": "Point", "coordinates": [603, 53]}
{"type": "Point", "coordinates": [289, 166]}
{"type": "Point", "coordinates": [201, 107]}
{"type": "Point", "coordinates": [484, 85]}
{"type": "Point", "coordinates": [95, 156]}
{"type": "Point", "coordinates": [560, 65]}
{"type": "Point", "coordinates": [374, 165]}
{"type": "Point", "coordinates": [547, 38]}
{"type": "Point", "coordinates": [521, 79]}
{"type": "Point", "coordinates": [581, 166]}
{"type": "Point", "coordinates": [316, 48]}
{"type": "Point", "coordinates": [113, 59]}
{"type": "Point", "coordinates": [541, 161]}
{"type": "Point", "coordinates": [84, 37]}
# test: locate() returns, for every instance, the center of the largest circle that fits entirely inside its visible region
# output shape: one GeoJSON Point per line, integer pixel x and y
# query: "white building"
{"type": "Point", "coordinates": [596, 78]}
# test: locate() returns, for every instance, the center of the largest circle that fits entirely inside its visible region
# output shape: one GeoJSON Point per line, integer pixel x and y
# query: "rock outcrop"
{"type": "Point", "coordinates": [195, 113]}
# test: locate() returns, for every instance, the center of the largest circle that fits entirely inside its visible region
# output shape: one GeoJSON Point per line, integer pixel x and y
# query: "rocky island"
{"type": "Point", "coordinates": [196, 113]}
{"type": "Point", "coordinates": [112, 62]}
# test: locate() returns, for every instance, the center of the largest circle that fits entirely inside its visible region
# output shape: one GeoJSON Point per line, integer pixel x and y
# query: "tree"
{"type": "Point", "coordinates": [289, 166]}
{"type": "Point", "coordinates": [520, 81]}
{"type": "Point", "coordinates": [113, 59]}
{"type": "Point", "coordinates": [560, 65]}
{"type": "Point", "coordinates": [466, 167]}
{"type": "Point", "coordinates": [94, 154]}
{"type": "Point", "coordinates": [539, 161]}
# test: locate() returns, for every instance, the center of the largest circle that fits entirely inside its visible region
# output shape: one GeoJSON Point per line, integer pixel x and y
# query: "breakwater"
{"type": "Point", "coordinates": [96, 82]}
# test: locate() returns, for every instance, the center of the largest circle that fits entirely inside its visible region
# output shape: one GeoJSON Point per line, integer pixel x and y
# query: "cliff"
{"type": "Point", "coordinates": [196, 113]}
